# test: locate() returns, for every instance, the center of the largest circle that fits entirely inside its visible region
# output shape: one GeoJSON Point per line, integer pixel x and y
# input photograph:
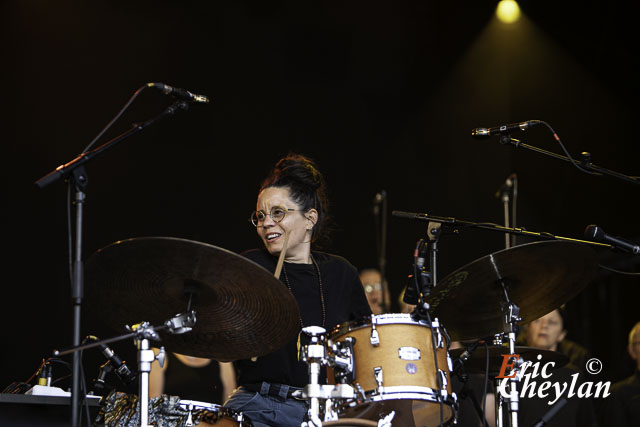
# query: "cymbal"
{"type": "Point", "coordinates": [539, 277]}
{"type": "Point", "coordinates": [242, 311]}
{"type": "Point", "coordinates": [476, 364]}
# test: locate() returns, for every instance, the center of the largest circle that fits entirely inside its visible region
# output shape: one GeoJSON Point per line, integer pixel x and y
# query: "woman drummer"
{"type": "Point", "coordinates": [290, 214]}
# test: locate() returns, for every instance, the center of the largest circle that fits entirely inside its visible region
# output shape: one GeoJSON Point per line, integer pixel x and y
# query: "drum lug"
{"type": "Point", "coordinates": [443, 377]}
{"type": "Point", "coordinates": [359, 391]}
{"type": "Point", "coordinates": [189, 421]}
{"type": "Point", "coordinates": [377, 371]}
{"type": "Point", "coordinates": [375, 337]}
{"type": "Point", "coordinates": [439, 340]}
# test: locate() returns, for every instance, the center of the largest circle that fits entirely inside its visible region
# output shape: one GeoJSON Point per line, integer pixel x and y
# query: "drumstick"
{"type": "Point", "coordinates": [281, 257]}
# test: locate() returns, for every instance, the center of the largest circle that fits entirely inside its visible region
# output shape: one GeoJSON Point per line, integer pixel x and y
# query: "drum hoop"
{"type": "Point", "coordinates": [406, 392]}
{"type": "Point", "coordinates": [448, 400]}
{"type": "Point", "coordinates": [198, 404]}
{"type": "Point", "coordinates": [379, 319]}
{"type": "Point", "coordinates": [213, 407]}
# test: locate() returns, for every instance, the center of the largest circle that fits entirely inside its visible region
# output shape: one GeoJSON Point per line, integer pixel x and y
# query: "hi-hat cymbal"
{"type": "Point", "coordinates": [476, 364]}
{"type": "Point", "coordinates": [539, 277]}
{"type": "Point", "coordinates": [242, 311]}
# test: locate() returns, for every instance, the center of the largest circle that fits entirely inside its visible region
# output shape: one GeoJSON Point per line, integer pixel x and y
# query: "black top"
{"type": "Point", "coordinates": [344, 300]}
{"type": "Point", "coordinates": [578, 412]}
{"type": "Point", "coordinates": [622, 407]}
{"type": "Point", "coordinates": [468, 414]}
{"type": "Point", "coordinates": [577, 354]}
{"type": "Point", "coordinates": [202, 384]}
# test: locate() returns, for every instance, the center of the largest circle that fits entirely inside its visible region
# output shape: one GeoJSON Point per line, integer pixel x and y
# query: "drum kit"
{"type": "Point", "coordinates": [388, 369]}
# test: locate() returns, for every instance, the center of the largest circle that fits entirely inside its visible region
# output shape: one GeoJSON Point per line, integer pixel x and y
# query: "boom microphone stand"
{"type": "Point", "coordinates": [584, 164]}
{"type": "Point", "coordinates": [510, 310]}
{"type": "Point", "coordinates": [457, 223]}
{"type": "Point", "coordinates": [74, 171]}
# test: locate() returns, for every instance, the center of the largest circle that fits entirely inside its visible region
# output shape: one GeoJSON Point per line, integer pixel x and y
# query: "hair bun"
{"type": "Point", "coordinates": [299, 168]}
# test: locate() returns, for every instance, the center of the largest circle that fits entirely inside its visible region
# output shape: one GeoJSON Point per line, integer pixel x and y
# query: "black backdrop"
{"type": "Point", "coordinates": [382, 96]}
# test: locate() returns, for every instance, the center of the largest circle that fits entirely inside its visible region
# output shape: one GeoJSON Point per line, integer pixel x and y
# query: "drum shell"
{"type": "Point", "coordinates": [405, 356]}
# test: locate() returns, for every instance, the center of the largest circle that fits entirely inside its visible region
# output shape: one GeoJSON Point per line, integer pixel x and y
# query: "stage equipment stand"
{"type": "Point", "coordinates": [76, 175]}
{"type": "Point", "coordinates": [510, 310]}
{"type": "Point", "coordinates": [142, 333]}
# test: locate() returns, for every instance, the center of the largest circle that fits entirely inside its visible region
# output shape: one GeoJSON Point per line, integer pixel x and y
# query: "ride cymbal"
{"type": "Point", "coordinates": [539, 277]}
{"type": "Point", "coordinates": [242, 311]}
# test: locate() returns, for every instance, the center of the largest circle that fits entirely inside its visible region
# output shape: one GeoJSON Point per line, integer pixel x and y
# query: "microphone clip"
{"type": "Point", "coordinates": [507, 140]}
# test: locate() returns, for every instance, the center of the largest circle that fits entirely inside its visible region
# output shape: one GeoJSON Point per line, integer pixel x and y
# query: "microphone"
{"type": "Point", "coordinates": [180, 93]}
{"type": "Point", "coordinates": [483, 133]}
{"type": "Point", "coordinates": [422, 277]}
{"type": "Point", "coordinates": [465, 355]}
{"type": "Point", "coordinates": [45, 375]}
{"type": "Point", "coordinates": [421, 253]}
{"type": "Point", "coordinates": [597, 234]}
{"type": "Point", "coordinates": [100, 384]}
{"type": "Point", "coordinates": [119, 366]}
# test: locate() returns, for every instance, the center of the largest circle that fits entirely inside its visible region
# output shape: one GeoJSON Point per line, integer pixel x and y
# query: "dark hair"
{"type": "Point", "coordinates": [306, 186]}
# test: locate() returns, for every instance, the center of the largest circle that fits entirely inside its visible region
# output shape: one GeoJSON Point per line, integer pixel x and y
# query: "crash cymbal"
{"type": "Point", "coordinates": [539, 277]}
{"type": "Point", "coordinates": [242, 311]}
{"type": "Point", "coordinates": [476, 364]}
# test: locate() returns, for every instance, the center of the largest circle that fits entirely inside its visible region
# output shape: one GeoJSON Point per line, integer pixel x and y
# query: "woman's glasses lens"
{"type": "Point", "coordinates": [277, 214]}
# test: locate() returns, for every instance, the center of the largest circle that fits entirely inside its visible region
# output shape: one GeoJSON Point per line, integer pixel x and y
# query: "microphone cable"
{"type": "Point", "coordinates": [566, 152]}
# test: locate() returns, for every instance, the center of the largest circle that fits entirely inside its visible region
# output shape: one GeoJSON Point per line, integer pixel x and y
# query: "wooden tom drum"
{"type": "Point", "coordinates": [394, 359]}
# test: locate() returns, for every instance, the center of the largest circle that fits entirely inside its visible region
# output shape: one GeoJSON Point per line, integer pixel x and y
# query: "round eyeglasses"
{"type": "Point", "coordinates": [370, 287]}
{"type": "Point", "coordinates": [277, 214]}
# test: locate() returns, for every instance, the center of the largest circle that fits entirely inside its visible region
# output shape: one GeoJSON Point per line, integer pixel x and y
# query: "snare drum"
{"type": "Point", "coordinates": [394, 359]}
{"type": "Point", "coordinates": [122, 410]}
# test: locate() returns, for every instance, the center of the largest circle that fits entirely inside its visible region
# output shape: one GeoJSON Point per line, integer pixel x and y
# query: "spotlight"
{"type": "Point", "coordinates": [508, 11]}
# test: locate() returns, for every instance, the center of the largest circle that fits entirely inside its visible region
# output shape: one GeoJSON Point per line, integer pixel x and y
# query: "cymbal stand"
{"type": "Point", "coordinates": [145, 332]}
{"type": "Point", "coordinates": [142, 333]}
{"type": "Point", "coordinates": [511, 317]}
{"type": "Point", "coordinates": [315, 354]}
{"type": "Point", "coordinates": [177, 325]}
{"type": "Point", "coordinates": [425, 281]}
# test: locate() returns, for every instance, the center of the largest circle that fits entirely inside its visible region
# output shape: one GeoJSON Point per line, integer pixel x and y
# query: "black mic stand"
{"type": "Point", "coordinates": [454, 223]}
{"type": "Point", "coordinates": [425, 279]}
{"type": "Point", "coordinates": [424, 282]}
{"type": "Point", "coordinates": [78, 179]}
{"type": "Point", "coordinates": [461, 373]}
{"type": "Point", "coordinates": [585, 159]}
{"type": "Point", "coordinates": [510, 310]}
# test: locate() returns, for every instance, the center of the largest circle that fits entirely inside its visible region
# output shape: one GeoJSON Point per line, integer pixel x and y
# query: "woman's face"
{"type": "Point", "coordinates": [296, 224]}
{"type": "Point", "coordinates": [372, 283]}
{"type": "Point", "coordinates": [546, 332]}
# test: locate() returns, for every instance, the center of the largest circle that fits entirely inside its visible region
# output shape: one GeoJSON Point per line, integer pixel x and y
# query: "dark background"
{"type": "Point", "coordinates": [382, 95]}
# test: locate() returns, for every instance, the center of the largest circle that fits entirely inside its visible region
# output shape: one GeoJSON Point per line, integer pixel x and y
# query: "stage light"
{"type": "Point", "coordinates": [508, 11]}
